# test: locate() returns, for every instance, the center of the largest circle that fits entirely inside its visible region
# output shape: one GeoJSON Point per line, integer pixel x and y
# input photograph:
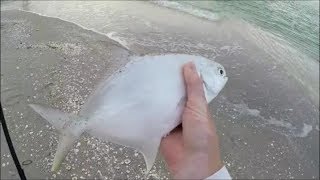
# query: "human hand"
{"type": "Point", "coordinates": [192, 151]}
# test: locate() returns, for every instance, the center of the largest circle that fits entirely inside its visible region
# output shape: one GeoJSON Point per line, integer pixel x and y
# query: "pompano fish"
{"type": "Point", "coordinates": [136, 106]}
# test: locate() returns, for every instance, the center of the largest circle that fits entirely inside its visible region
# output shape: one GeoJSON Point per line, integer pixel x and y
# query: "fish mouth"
{"type": "Point", "coordinates": [225, 80]}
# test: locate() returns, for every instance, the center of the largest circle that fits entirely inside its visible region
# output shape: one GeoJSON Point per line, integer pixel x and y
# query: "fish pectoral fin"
{"type": "Point", "coordinates": [150, 151]}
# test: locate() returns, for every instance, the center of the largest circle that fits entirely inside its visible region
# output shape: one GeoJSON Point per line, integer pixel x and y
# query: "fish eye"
{"type": "Point", "coordinates": [221, 71]}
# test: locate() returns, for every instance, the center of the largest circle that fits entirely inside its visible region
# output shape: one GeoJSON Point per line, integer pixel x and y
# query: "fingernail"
{"type": "Point", "coordinates": [191, 66]}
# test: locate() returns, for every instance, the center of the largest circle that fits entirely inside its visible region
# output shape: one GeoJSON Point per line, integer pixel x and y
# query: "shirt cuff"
{"type": "Point", "coordinates": [221, 174]}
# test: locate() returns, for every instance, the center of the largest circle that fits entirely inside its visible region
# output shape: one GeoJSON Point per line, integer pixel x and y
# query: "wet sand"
{"type": "Point", "coordinates": [267, 122]}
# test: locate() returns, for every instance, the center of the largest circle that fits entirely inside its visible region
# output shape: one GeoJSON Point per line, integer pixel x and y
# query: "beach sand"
{"type": "Point", "coordinates": [267, 120]}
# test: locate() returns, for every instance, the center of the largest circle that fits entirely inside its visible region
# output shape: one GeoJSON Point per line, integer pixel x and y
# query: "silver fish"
{"type": "Point", "coordinates": [137, 106]}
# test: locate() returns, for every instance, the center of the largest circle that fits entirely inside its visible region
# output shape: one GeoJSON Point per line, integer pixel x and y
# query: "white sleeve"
{"type": "Point", "coordinates": [221, 174]}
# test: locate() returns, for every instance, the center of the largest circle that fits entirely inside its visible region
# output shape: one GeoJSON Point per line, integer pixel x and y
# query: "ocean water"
{"type": "Point", "coordinates": [295, 21]}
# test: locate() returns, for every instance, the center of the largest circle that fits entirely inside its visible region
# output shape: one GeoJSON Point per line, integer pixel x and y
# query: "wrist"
{"type": "Point", "coordinates": [215, 163]}
{"type": "Point", "coordinates": [198, 166]}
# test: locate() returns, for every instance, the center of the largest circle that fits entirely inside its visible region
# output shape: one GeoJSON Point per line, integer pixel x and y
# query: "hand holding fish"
{"type": "Point", "coordinates": [141, 103]}
{"type": "Point", "coordinates": [192, 151]}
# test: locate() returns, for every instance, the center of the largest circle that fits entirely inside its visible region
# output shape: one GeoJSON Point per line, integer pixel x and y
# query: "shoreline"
{"type": "Point", "coordinates": [130, 28]}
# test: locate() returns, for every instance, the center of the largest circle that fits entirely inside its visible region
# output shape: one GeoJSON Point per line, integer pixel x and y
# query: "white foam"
{"type": "Point", "coordinates": [243, 108]}
{"type": "Point", "coordinates": [305, 130]}
{"type": "Point", "coordinates": [279, 123]}
{"type": "Point", "coordinates": [302, 132]}
{"type": "Point", "coordinates": [112, 35]}
{"type": "Point", "coordinates": [254, 112]}
{"type": "Point", "coordinates": [289, 128]}
{"type": "Point", "coordinates": [117, 39]}
{"type": "Point", "coordinates": [187, 9]}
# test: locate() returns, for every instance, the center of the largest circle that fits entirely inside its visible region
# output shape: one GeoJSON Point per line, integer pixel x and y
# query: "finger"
{"type": "Point", "coordinates": [172, 145]}
{"type": "Point", "coordinates": [174, 135]}
{"type": "Point", "coordinates": [170, 139]}
{"type": "Point", "coordinates": [194, 85]}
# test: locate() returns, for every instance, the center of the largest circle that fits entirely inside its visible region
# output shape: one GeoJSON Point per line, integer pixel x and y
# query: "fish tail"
{"type": "Point", "coordinates": [68, 126]}
{"type": "Point", "coordinates": [65, 144]}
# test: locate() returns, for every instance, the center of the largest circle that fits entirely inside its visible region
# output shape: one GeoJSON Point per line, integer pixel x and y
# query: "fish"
{"type": "Point", "coordinates": [136, 106]}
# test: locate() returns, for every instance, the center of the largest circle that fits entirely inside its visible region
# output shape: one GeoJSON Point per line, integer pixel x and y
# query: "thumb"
{"type": "Point", "coordinates": [194, 87]}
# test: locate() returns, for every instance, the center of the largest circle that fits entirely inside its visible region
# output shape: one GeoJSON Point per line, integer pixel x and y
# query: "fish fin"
{"type": "Point", "coordinates": [66, 142]}
{"type": "Point", "coordinates": [55, 117]}
{"type": "Point", "coordinates": [69, 127]}
{"type": "Point", "coordinates": [149, 152]}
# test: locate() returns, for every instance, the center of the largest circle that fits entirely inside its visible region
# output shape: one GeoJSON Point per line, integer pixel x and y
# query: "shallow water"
{"type": "Point", "coordinates": [122, 22]}
{"type": "Point", "coordinates": [267, 115]}
{"type": "Point", "coordinates": [295, 21]}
